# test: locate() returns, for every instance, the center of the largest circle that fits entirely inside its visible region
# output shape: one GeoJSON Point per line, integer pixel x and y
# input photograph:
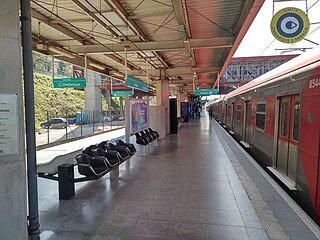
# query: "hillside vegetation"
{"type": "Point", "coordinates": [65, 102]}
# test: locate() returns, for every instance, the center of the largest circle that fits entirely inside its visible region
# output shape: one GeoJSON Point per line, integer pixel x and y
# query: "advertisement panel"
{"type": "Point", "coordinates": [139, 115]}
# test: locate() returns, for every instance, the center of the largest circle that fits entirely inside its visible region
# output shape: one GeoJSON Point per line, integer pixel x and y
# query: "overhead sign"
{"type": "Point", "coordinates": [69, 82]}
{"type": "Point", "coordinates": [206, 91]}
{"type": "Point", "coordinates": [290, 25]}
{"type": "Point", "coordinates": [9, 125]}
{"type": "Point", "coordinates": [137, 84]}
{"type": "Point", "coordinates": [121, 93]}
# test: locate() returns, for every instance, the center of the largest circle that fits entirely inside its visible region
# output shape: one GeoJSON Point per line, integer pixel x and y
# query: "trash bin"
{"type": "Point", "coordinates": [66, 181]}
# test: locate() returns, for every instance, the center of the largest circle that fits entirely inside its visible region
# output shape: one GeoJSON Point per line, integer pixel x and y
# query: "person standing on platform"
{"type": "Point", "coordinates": [210, 113]}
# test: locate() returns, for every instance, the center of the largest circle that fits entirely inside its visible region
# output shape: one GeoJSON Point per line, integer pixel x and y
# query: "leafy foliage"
{"type": "Point", "coordinates": [59, 102]}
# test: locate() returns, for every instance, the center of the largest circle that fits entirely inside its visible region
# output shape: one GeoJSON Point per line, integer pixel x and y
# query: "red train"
{"type": "Point", "coordinates": [277, 116]}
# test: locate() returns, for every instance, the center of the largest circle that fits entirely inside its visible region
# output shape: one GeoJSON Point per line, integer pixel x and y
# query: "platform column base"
{"type": "Point", "coordinates": [155, 143]}
{"type": "Point", "coordinates": [142, 151]}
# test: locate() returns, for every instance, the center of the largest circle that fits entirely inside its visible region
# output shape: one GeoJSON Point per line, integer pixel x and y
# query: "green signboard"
{"type": "Point", "coordinates": [69, 82]}
{"type": "Point", "coordinates": [206, 91]}
{"type": "Point", "coordinates": [121, 93]}
{"type": "Point", "coordinates": [137, 84]}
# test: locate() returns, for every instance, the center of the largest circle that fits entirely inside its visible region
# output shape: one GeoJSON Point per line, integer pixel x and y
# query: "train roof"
{"type": "Point", "coordinates": [290, 66]}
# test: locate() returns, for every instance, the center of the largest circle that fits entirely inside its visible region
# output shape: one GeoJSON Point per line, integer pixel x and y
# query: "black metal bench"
{"type": "Point", "coordinates": [144, 138]}
{"type": "Point", "coordinates": [93, 163]}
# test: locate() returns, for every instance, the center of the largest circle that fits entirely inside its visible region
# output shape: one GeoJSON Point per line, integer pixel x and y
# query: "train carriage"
{"type": "Point", "coordinates": [278, 117]}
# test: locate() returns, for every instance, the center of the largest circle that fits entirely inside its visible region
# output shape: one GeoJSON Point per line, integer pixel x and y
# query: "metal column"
{"type": "Point", "coordinates": [33, 218]}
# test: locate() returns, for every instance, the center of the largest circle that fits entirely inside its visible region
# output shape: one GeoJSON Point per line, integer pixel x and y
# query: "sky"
{"type": "Point", "coordinates": [259, 41]}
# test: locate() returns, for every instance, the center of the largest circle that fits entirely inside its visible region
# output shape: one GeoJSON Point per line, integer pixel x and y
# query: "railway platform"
{"type": "Point", "coordinates": [198, 184]}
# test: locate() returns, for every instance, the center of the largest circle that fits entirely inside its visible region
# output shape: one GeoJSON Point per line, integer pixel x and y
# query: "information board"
{"type": "Point", "coordinates": [9, 124]}
{"type": "Point", "coordinates": [139, 115]}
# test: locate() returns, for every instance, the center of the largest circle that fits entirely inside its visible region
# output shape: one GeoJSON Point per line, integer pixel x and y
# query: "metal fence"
{"type": "Point", "coordinates": [59, 127]}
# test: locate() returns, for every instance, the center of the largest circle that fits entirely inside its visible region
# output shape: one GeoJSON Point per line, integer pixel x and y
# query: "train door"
{"type": "Point", "coordinates": [287, 146]}
{"type": "Point", "coordinates": [247, 122]}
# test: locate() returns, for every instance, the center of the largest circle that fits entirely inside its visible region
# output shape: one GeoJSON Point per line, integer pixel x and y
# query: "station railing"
{"type": "Point", "coordinates": [60, 127]}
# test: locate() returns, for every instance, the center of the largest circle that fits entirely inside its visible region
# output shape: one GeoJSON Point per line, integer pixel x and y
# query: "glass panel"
{"type": "Point", "coordinates": [284, 119]}
{"type": "Point", "coordinates": [261, 108]}
{"type": "Point", "coordinates": [238, 112]}
{"type": "Point", "coordinates": [296, 120]}
{"type": "Point", "coordinates": [260, 120]}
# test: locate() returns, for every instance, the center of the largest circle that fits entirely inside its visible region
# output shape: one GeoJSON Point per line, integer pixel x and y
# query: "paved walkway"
{"type": "Point", "coordinates": [194, 185]}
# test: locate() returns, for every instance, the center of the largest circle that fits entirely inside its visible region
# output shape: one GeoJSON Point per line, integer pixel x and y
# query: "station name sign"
{"type": "Point", "coordinates": [137, 84]}
{"type": "Point", "coordinates": [121, 93]}
{"type": "Point", "coordinates": [206, 91]}
{"type": "Point", "coordinates": [69, 82]}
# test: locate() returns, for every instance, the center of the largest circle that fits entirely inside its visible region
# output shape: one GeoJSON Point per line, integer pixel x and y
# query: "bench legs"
{"type": "Point", "coordinates": [142, 151]}
{"type": "Point", "coordinates": [155, 143]}
{"type": "Point", "coordinates": [66, 181]}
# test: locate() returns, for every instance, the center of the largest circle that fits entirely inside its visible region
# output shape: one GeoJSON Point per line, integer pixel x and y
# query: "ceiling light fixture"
{"type": "Point", "coordinates": [97, 65]}
{"type": "Point", "coordinates": [61, 51]}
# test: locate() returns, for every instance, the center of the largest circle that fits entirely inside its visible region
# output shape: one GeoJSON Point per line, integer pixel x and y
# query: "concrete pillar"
{"type": "Point", "coordinates": [159, 114]}
{"type": "Point", "coordinates": [13, 197]}
{"type": "Point", "coordinates": [93, 96]}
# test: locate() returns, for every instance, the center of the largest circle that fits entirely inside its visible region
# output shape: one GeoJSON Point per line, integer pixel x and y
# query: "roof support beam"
{"type": "Point", "coordinates": [163, 73]}
{"type": "Point", "coordinates": [225, 42]}
{"type": "Point", "coordinates": [149, 14]}
{"type": "Point", "coordinates": [94, 17]}
{"type": "Point", "coordinates": [248, 14]}
{"type": "Point", "coordinates": [44, 19]}
{"type": "Point", "coordinates": [115, 4]}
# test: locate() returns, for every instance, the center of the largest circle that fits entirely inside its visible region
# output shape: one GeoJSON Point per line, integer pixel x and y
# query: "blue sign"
{"type": "Point", "coordinates": [137, 84]}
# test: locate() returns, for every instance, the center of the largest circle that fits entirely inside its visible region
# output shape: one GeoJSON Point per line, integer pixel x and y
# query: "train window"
{"type": "Point", "coordinates": [228, 111]}
{"type": "Point", "coordinates": [261, 116]}
{"type": "Point", "coordinates": [296, 120]}
{"type": "Point", "coordinates": [283, 121]}
{"type": "Point", "coordinates": [238, 113]}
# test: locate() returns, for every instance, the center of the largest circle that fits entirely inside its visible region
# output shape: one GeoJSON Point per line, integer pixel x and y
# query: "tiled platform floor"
{"type": "Point", "coordinates": [186, 188]}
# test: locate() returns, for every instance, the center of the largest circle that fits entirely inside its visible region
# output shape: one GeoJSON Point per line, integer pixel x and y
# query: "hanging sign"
{"type": "Point", "coordinates": [137, 84]}
{"type": "Point", "coordinates": [289, 25]}
{"type": "Point", "coordinates": [9, 125]}
{"type": "Point", "coordinates": [121, 93]}
{"type": "Point", "coordinates": [206, 91]}
{"type": "Point", "coordinates": [69, 82]}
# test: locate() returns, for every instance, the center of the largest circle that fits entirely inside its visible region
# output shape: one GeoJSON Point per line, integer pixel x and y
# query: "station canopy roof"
{"type": "Point", "coordinates": [175, 40]}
